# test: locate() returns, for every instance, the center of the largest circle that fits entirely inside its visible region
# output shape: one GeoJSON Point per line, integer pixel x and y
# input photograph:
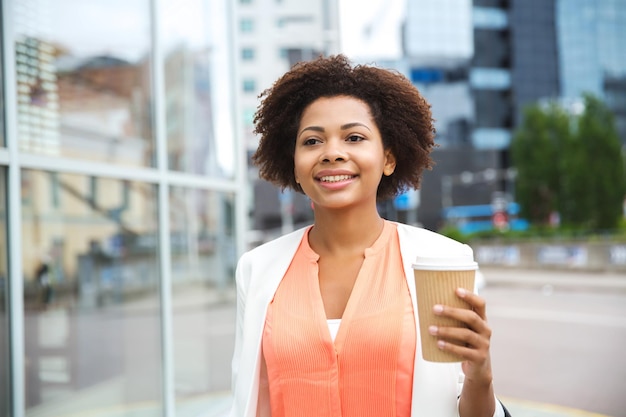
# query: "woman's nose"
{"type": "Point", "coordinates": [333, 152]}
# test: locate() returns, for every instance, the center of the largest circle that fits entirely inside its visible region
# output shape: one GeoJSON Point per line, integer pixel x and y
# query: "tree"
{"type": "Point", "coordinates": [535, 151]}
{"type": "Point", "coordinates": [603, 186]}
{"type": "Point", "coordinates": [571, 164]}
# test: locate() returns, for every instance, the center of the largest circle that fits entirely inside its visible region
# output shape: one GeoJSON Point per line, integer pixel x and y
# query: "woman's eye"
{"type": "Point", "coordinates": [354, 138]}
{"type": "Point", "coordinates": [310, 141]}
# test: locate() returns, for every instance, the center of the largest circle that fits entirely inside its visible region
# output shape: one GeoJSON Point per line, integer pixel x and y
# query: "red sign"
{"type": "Point", "coordinates": [500, 220]}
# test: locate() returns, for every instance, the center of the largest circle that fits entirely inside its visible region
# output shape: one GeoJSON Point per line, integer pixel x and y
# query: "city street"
{"type": "Point", "coordinates": [557, 339]}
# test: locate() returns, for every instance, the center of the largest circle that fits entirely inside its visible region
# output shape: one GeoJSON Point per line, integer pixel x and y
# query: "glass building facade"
{"type": "Point", "coordinates": [591, 37]}
{"type": "Point", "coordinates": [121, 214]}
{"type": "Point", "coordinates": [592, 55]}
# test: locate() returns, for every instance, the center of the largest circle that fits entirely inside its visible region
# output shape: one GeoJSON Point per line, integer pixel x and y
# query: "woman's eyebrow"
{"type": "Point", "coordinates": [343, 127]}
{"type": "Point", "coordinates": [353, 124]}
{"type": "Point", "coordinates": [313, 128]}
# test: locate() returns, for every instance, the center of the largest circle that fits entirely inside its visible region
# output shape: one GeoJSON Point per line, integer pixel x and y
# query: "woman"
{"type": "Point", "coordinates": [326, 315]}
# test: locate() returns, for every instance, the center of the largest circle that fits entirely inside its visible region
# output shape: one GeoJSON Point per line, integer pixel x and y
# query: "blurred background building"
{"type": "Point", "coordinates": [481, 62]}
{"type": "Point", "coordinates": [121, 210]}
{"type": "Point", "coordinates": [126, 188]}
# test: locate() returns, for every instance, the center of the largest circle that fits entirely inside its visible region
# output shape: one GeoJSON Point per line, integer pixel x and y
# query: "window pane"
{"type": "Point", "coordinates": [247, 54]}
{"type": "Point", "coordinates": [246, 25]}
{"type": "Point", "coordinates": [83, 79]}
{"type": "Point", "coordinates": [195, 74]}
{"type": "Point", "coordinates": [203, 264]}
{"type": "Point", "coordinates": [4, 305]}
{"type": "Point", "coordinates": [91, 319]}
{"type": "Point", "coordinates": [249, 85]}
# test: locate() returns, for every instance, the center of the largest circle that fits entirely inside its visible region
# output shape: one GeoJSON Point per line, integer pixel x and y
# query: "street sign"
{"type": "Point", "coordinates": [500, 220]}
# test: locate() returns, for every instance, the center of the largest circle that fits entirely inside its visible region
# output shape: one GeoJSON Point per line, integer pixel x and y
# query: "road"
{"type": "Point", "coordinates": [558, 343]}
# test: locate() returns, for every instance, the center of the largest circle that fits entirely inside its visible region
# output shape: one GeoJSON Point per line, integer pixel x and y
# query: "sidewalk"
{"type": "Point", "coordinates": [523, 408]}
{"type": "Point", "coordinates": [556, 278]}
{"type": "Point", "coordinates": [551, 279]}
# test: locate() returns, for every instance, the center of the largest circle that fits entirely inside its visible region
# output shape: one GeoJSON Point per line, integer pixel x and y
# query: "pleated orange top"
{"type": "Point", "coordinates": [368, 369]}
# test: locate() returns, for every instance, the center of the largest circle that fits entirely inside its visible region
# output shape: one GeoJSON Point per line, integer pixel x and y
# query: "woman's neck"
{"type": "Point", "coordinates": [340, 232]}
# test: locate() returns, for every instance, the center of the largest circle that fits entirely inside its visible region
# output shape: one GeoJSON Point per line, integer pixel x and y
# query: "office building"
{"type": "Point", "coordinates": [531, 50]}
{"type": "Point", "coordinates": [592, 53]}
{"type": "Point", "coordinates": [121, 211]}
{"type": "Point", "coordinates": [501, 56]}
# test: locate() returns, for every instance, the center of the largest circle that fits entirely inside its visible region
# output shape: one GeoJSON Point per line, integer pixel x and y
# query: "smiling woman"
{"type": "Point", "coordinates": [328, 312]}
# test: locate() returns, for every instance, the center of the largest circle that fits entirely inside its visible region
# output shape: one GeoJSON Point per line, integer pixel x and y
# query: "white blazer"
{"type": "Point", "coordinates": [436, 386]}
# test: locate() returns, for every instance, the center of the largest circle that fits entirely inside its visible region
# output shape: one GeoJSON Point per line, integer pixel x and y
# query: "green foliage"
{"type": "Point", "coordinates": [454, 233]}
{"type": "Point", "coordinates": [544, 233]}
{"type": "Point", "coordinates": [535, 150]}
{"type": "Point", "coordinates": [601, 145]}
{"type": "Point", "coordinates": [570, 164]}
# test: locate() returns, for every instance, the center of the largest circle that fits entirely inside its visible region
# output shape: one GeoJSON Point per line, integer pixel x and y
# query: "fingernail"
{"type": "Point", "coordinates": [438, 308]}
{"type": "Point", "coordinates": [441, 344]}
{"type": "Point", "coordinates": [461, 292]}
{"type": "Point", "coordinates": [433, 330]}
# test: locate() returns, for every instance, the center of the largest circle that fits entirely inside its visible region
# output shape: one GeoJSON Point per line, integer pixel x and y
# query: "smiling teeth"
{"type": "Point", "coordinates": [335, 178]}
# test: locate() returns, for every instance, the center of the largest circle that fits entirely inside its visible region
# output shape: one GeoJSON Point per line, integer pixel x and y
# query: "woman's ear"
{"type": "Point", "coordinates": [390, 163]}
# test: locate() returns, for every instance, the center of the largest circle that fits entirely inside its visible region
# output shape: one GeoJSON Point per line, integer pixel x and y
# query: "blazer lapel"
{"type": "Point", "coordinates": [268, 264]}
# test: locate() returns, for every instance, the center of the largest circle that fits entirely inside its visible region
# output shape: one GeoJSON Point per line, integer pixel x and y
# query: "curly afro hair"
{"type": "Point", "coordinates": [402, 115]}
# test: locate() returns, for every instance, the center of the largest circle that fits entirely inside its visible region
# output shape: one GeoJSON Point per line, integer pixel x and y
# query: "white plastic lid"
{"type": "Point", "coordinates": [443, 262]}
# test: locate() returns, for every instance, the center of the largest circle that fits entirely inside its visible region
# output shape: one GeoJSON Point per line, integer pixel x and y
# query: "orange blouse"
{"type": "Point", "coordinates": [368, 369]}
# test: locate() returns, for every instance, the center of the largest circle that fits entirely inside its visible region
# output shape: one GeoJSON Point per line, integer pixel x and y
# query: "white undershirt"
{"type": "Point", "coordinates": [333, 327]}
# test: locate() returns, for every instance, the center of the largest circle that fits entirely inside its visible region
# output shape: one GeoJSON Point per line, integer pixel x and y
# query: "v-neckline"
{"type": "Point", "coordinates": [355, 295]}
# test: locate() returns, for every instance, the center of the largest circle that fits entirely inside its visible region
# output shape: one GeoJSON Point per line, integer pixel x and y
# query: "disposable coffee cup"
{"type": "Point", "coordinates": [436, 281]}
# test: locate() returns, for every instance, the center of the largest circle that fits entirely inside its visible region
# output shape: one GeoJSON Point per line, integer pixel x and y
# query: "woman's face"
{"type": "Point", "coordinates": [339, 156]}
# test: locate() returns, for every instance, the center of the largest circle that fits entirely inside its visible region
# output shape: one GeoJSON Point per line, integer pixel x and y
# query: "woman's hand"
{"type": "Point", "coordinates": [471, 344]}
